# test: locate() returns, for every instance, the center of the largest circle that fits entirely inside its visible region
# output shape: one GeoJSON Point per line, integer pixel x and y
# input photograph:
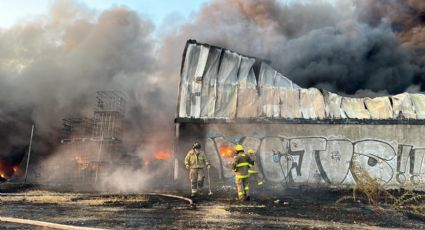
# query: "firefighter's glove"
{"type": "Point", "coordinates": [187, 167]}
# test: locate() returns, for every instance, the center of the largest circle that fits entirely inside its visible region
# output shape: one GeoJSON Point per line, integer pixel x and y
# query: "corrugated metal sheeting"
{"type": "Point", "coordinates": [219, 83]}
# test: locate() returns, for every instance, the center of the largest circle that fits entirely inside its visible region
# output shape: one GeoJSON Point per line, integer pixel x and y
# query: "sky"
{"type": "Point", "coordinates": [13, 11]}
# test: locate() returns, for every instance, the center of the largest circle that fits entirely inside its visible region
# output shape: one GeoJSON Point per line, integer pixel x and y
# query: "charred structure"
{"type": "Point", "coordinates": [77, 127]}
{"type": "Point", "coordinates": [91, 145]}
{"type": "Point", "coordinates": [302, 136]}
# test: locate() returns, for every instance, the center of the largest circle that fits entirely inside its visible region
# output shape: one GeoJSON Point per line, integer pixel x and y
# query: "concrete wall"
{"type": "Point", "coordinates": [318, 155]}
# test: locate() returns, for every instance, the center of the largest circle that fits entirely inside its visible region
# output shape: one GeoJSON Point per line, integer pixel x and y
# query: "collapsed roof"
{"type": "Point", "coordinates": [217, 83]}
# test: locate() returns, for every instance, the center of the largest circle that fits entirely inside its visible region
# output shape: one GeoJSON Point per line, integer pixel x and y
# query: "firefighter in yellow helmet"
{"type": "Point", "coordinates": [195, 161]}
{"type": "Point", "coordinates": [240, 165]}
{"type": "Point", "coordinates": [254, 174]}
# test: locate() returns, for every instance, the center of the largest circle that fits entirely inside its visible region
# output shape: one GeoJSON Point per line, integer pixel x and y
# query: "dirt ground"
{"type": "Point", "coordinates": [296, 210]}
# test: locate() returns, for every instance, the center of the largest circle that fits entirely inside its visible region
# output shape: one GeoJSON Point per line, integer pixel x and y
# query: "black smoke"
{"type": "Point", "coordinates": [342, 46]}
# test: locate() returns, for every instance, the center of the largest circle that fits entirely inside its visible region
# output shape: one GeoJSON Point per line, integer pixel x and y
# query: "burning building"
{"type": "Point", "coordinates": [301, 136]}
{"type": "Point", "coordinates": [90, 145]}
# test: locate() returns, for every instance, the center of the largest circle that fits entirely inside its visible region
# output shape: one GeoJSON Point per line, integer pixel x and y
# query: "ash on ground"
{"type": "Point", "coordinates": [297, 209]}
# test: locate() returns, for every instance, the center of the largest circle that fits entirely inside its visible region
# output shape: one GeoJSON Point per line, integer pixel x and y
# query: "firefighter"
{"type": "Point", "coordinates": [240, 165]}
{"type": "Point", "coordinates": [254, 174]}
{"type": "Point", "coordinates": [195, 161]}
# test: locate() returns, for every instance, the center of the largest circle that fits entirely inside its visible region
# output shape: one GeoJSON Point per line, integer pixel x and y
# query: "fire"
{"type": "Point", "coordinates": [6, 172]}
{"type": "Point", "coordinates": [161, 155]}
{"type": "Point", "coordinates": [82, 164]}
{"type": "Point", "coordinates": [226, 151]}
{"type": "Point", "coordinates": [17, 170]}
{"type": "Point", "coordinates": [79, 160]}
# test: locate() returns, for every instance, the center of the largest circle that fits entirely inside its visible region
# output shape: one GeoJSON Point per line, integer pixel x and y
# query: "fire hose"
{"type": "Point", "coordinates": [101, 195]}
{"type": "Point", "coordinates": [43, 224]}
{"type": "Point", "coordinates": [63, 226]}
{"type": "Point", "coordinates": [190, 201]}
{"type": "Point", "coordinates": [191, 204]}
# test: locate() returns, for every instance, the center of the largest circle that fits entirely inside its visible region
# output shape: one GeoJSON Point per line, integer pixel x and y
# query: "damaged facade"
{"type": "Point", "coordinates": [302, 136]}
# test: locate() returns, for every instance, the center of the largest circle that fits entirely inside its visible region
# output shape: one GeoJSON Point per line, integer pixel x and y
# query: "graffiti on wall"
{"type": "Point", "coordinates": [319, 160]}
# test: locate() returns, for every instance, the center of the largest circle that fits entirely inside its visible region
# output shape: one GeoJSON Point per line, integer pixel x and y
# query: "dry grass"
{"type": "Point", "coordinates": [369, 189]}
{"type": "Point", "coordinates": [40, 196]}
{"type": "Point", "coordinates": [113, 199]}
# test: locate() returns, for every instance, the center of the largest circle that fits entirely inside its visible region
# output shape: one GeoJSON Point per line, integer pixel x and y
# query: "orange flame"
{"type": "Point", "coordinates": [2, 168]}
{"type": "Point", "coordinates": [17, 170]}
{"type": "Point", "coordinates": [6, 171]}
{"type": "Point", "coordinates": [161, 155]}
{"type": "Point", "coordinates": [82, 164]}
{"type": "Point", "coordinates": [226, 151]}
{"type": "Point", "coordinates": [79, 160]}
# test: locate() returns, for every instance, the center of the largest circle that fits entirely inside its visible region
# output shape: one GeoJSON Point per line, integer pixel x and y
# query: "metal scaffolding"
{"type": "Point", "coordinates": [108, 115]}
{"type": "Point", "coordinates": [92, 144]}
{"type": "Point", "coordinates": [77, 127]}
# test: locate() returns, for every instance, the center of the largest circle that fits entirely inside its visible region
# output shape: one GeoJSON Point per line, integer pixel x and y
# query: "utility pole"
{"type": "Point", "coordinates": [99, 157]}
{"type": "Point", "coordinates": [29, 154]}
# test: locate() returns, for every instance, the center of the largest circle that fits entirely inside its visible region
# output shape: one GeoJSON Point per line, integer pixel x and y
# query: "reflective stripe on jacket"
{"type": "Point", "coordinates": [240, 165]}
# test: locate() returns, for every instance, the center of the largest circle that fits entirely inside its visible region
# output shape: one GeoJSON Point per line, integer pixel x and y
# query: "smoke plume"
{"type": "Point", "coordinates": [51, 67]}
{"type": "Point", "coordinates": [344, 46]}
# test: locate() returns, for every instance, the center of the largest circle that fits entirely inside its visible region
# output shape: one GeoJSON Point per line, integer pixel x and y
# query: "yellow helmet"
{"type": "Point", "coordinates": [239, 148]}
{"type": "Point", "coordinates": [251, 151]}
